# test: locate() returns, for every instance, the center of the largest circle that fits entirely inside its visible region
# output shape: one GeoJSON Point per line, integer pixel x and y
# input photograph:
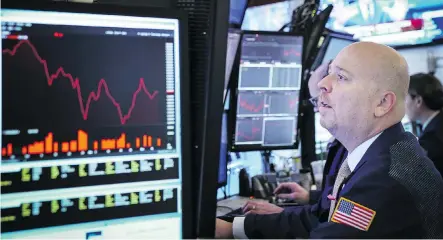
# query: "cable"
{"type": "Point", "coordinates": [300, 16]}
{"type": "Point", "coordinates": [224, 192]}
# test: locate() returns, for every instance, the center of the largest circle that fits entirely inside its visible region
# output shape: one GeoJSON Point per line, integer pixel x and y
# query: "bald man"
{"type": "Point", "coordinates": [386, 187]}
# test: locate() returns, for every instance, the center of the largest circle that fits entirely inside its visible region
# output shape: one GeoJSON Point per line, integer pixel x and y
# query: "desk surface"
{"type": "Point", "coordinates": [230, 204]}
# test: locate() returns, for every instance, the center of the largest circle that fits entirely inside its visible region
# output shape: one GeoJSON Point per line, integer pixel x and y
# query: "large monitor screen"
{"type": "Point", "coordinates": [233, 42]}
{"type": "Point", "coordinates": [91, 125]}
{"type": "Point", "coordinates": [392, 22]}
{"type": "Point", "coordinates": [268, 90]}
{"type": "Point", "coordinates": [334, 47]}
{"type": "Point", "coordinates": [331, 47]}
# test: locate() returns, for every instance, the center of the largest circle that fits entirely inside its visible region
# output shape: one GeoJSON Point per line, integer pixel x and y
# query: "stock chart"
{"type": "Point", "coordinates": [58, 108]}
{"type": "Point", "coordinates": [90, 125]}
{"type": "Point", "coordinates": [268, 91]}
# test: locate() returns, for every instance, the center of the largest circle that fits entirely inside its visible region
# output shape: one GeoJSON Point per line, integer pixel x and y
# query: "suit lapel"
{"type": "Point", "coordinates": [433, 124]}
{"type": "Point", "coordinates": [380, 146]}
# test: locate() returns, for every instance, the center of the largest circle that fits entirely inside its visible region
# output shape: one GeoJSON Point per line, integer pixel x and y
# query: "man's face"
{"type": "Point", "coordinates": [315, 78]}
{"type": "Point", "coordinates": [346, 103]}
{"type": "Point", "coordinates": [412, 110]}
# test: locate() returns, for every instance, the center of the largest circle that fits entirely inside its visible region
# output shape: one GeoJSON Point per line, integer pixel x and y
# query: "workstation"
{"type": "Point", "coordinates": [175, 119]}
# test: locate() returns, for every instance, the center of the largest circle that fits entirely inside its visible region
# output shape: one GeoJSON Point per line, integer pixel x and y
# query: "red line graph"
{"type": "Point", "coordinates": [253, 135]}
{"type": "Point", "coordinates": [251, 107]}
{"type": "Point", "coordinates": [75, 83]}
{"type": "Point", "coordinates": [291, 52]}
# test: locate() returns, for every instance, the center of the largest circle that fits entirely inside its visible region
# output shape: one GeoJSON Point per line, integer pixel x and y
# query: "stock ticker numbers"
{"type": "Point", "coordinates": [80, 209]}
{"type": "Point", "coordinates": [68, 110]}
{"type": "Point", "coordinates": [88, 174]}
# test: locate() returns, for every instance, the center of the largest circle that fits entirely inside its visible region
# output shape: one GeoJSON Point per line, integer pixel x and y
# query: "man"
{"type": "Point", "coordinates": [386, 187]}
{"type": "Point", "coordinates": [424, 104]}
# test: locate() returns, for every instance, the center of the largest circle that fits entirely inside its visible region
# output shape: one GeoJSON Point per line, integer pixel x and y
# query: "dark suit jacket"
{"type": "Point", "coordinates": [432, 141]}
{"type": "Point", "coordinates": [336, 154]}
{"type": "Point", "coordinates": [394, 178]}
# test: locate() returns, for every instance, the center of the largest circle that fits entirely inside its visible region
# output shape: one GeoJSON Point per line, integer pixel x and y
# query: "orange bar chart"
{"type": "Point", "coordinates": [48, 143]}
{"type": "Point", "coordinates": [82, 143]}
{"type": "Point", "coordinates": [82, 138]}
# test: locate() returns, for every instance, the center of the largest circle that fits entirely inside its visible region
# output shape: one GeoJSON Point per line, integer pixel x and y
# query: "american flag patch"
{"type": "Point", "coordinates": [353, 214]}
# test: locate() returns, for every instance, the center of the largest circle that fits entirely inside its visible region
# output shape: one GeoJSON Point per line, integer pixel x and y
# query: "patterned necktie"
{"type": "Point", "coordinates": [343, 173]}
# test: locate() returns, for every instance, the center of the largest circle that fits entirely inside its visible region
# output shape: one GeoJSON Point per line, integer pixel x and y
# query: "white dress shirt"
{"type": "Point", "coordinates": [354, 157]}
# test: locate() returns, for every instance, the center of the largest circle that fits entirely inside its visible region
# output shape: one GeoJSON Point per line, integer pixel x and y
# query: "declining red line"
{"type": "Point", "coordinates": [251, 107]}
{"type": "Point", "coordinates": [247, 137]}
{"type": "Point", "coordinates": [75, 83]}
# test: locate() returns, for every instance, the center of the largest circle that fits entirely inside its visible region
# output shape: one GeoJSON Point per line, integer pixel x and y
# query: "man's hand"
{"type": "Point", "coordinates": [261, 208]}
{"type": "Point", "coordinates": [296, 192]}
{"type": "Point", "coordinates": [223, 229]}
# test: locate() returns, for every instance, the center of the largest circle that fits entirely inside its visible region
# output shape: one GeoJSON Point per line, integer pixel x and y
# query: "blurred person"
{"type": "Point", "coordinates": [424, 104]}
{"type": "Point", "coordinates": [398, 10]}
{"type": "Point", "coordinates": [369, 12]}
{"type": "Point", "coordinates": [386, 187]}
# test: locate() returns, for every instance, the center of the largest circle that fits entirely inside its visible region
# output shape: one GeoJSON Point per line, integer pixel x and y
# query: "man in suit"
{"type": "Point", "coordinates": [386, 187]}
{"type": "Point", "coordinates": [424, 104]}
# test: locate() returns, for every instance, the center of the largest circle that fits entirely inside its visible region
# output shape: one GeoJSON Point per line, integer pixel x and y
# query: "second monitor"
{"type": "Point", "coordinates": [267, 96]}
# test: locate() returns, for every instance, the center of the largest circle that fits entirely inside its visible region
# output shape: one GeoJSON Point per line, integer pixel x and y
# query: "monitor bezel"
{"type": "Point", "coordinates": [232, 114]}
{"type": "Point", "coordinates": [230, 80]}
{"type": "Point", "coordinates": [187, 227]}
{"type": "Point", "coordinates": [225, 182]}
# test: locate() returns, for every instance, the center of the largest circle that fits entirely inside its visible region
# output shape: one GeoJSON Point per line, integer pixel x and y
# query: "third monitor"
{"type": "Point", "coordinates": [266, 98]}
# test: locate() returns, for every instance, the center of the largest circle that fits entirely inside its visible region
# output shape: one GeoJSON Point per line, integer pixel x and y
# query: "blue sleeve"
{"type": "Point", "coordinates": [294, 222]}
{"type": "Point", "coordinates": [395, 213]}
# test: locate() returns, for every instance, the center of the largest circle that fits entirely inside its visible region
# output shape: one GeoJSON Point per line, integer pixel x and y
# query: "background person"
{"type": "Point", "coordinates": [424, 104]}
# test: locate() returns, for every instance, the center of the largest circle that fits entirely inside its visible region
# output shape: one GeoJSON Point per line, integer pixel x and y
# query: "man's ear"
{"type": "Point", "coordinates": [386, 103]}
{"type": "Point", "coordinates": [418, 100]}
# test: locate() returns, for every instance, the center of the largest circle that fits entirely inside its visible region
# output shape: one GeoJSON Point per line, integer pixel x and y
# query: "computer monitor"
{"type": "Point", "coordinates": [333, 44]}
{"type": "Point", "coordinates": [223, 163]}
{"type": "Point", "coordinates": [234, 36]}
{"type": "Point", "coordinates": [265, 108]}
{"type": "Point", "coordinates": [94, 139]}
